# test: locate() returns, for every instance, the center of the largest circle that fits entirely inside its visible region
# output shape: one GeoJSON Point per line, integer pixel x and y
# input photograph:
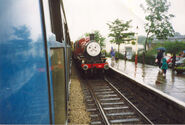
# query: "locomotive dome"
{"type": "Point", "coordinates": [93, 49]}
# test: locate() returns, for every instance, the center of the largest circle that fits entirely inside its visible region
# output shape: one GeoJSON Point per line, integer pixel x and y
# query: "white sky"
{"type": "Point", "coordinates": [89, 15]}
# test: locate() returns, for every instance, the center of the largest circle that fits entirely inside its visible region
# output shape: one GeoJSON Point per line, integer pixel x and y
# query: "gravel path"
{"type": "Point", "coordinates": [77, 109]}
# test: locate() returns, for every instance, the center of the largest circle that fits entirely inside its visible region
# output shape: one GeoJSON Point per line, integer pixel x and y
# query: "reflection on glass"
{"type": "Point", "coordinates": [13, 16]}
{"type": "Point", "coordinates": [58, 77]}
{"type": "Point", "coordinates": [69, 62]}
{"type": "Point", "coordinates": [23, 78]}
{"type": "Point", "coordinates": [47, 16]}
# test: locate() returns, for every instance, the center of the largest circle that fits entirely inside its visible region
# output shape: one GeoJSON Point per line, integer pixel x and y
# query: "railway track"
{"type": "Point", "coordinates": [158, 108]}
{"type": "Point", "coordinates": [108, 105]}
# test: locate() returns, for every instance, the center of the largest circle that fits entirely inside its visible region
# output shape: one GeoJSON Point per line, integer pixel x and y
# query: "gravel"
{"type": "Point", "coordinates": [77, 109]}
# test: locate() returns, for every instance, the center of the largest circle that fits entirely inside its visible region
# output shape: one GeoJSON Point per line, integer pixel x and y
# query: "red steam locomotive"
{"type": "Point", "coordinates": [87, 54]}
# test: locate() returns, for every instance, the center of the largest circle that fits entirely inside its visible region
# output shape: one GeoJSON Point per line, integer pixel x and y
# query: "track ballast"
{"type": "Point", "coordinates": [108, 106]}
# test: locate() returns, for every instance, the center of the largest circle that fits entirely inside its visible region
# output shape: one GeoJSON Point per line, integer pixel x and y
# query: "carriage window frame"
{"type": "Point", "coordinates": [65, 26]}
{"type": "Point", "coordinates": [56, 20]}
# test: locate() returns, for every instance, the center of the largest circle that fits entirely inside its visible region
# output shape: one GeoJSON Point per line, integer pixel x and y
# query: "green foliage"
{"type": "Point", "coordinates": [174, 47]}
{"type": "Point", "coordinates": [119, 32]}
{"type": "Point", "coordinates": [158, 24]}
{"type": "Point", "coordinates": [133, 42]}
{"type": "Point", "coordinates": [104, 52]}
{"type": "Point", "coordinates": [157, 17]}
{"type": "Point", "coordinates": [170, 47]}
{"type": "Point", "coordinates": [141, 39]}
{"type": "Point", "coordinates": [119, 55]}
{"type": "Point", "coordinates": [149, 58]}
{"type": "Point", "coordinates": [98, 37]}
{"type": "Point", "coordinates": [181, 68]}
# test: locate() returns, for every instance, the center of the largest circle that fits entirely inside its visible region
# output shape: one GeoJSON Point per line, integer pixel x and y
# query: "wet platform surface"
{"type": "Point", "coordinates": [173, 84]}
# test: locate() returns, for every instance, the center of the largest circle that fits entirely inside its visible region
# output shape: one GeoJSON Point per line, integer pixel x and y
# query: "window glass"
{"type": "Point", "coordinates": [47, 16]}
{"type": "Point", "coordinates": [23, 72]}
{"type": "Point", "coordinates": [19, 15]}
{"type": "Point", "coordinates": [59, 87]}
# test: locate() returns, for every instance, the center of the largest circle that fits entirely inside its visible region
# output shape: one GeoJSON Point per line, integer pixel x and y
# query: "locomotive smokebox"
{"type": "Point", "coordinates": [92, 37]}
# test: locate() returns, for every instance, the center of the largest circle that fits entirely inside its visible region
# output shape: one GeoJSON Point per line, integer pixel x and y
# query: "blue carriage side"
{"type": "Point", "coordinates": [33, 62]}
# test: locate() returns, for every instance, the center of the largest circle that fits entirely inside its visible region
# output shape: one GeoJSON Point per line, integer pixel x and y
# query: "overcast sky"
{"type": "Point", "coordinates": [89, 15]}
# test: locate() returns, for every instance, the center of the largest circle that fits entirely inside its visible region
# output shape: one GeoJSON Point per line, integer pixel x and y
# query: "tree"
{"type": "Point", "coordinates": [119, 32]}
{"type": "Point", "coordinates": [141, 39]}
{"type": "Point", "coordinates": [97, 37]}
{"type": "Point", "coordinates": [157, 25]}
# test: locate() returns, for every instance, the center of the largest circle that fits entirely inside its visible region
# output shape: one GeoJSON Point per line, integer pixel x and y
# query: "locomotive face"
{"type": "Point", "coordinates": [93, 49]}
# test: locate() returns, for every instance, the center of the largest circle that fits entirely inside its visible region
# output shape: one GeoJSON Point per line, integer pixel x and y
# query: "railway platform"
{"type": "Point", "coordinates": [172, 84]}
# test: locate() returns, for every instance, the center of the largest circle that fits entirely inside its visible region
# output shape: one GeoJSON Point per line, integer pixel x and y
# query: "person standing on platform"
{"type": "Point", "coordinates": [164, 66]}
{"type": "Point", "coordinates": [112, 53]}
{"type": "Point", "coordinates": [159, 57]}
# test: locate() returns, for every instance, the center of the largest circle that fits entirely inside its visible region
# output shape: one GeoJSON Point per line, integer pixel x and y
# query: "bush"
{"type": "Point", "coordinates": [180, 69]}
{"type": "Point", "coordinates": [149, 58]}
{"type": "Point", "coordinates": [107, 54]}
{"type": "Point", "coordinates": [119, 55]}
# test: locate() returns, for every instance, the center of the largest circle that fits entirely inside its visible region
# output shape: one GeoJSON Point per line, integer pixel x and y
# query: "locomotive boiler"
{"type": "Point", "coordinates": [88, 56]}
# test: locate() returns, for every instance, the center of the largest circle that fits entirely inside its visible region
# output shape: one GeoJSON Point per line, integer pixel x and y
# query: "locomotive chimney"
{"type": "Point", "coordinates": [91, 37]}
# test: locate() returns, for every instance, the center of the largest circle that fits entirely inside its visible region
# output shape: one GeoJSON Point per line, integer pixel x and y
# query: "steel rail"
{"type": "Point", "coordinates": [102, 113]}
{"type": "Point", "coordinates": [129, 102]}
